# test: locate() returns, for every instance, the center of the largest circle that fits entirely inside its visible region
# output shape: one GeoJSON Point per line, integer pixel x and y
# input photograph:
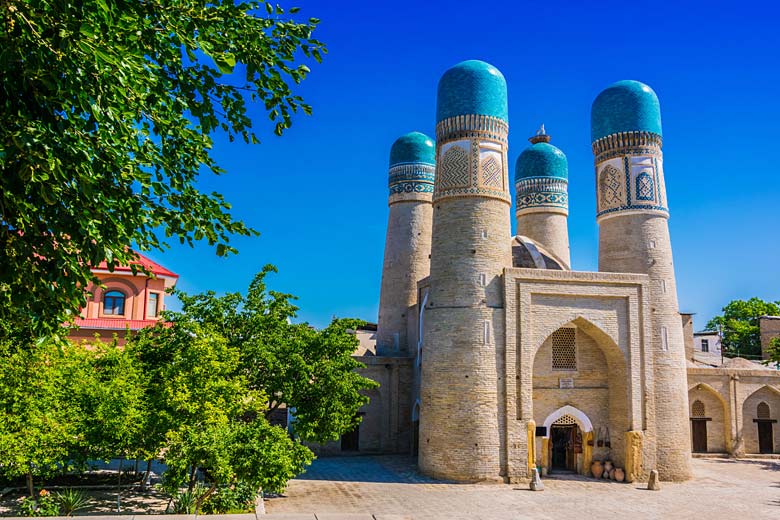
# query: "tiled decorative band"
{"type": "Point", "coordinates": [629, 175]}
{"type": "Point", "coordinates": [411, 181]}
{"type": "Point", "coordinates": [471, 158]}
{"type": "Point", "coordinates": [538, 194]}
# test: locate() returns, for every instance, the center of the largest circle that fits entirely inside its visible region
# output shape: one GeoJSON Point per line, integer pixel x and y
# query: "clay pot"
{"type": "Point", "coordinates": [597, 468]}
{"type": "Point", "coordinates": [608, 465]}
{"type": "Point", "coordinates": [612, 474]}
{"type": "Point", "coordinates": [620, 475]}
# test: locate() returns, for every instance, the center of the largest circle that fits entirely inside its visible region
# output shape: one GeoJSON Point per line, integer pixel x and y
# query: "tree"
{"type": "Point", "coordinates": [739, 328]}
{"type": "Point", "coordinates": [221, 368]}
{"type": "Point", "coordinates": [38, 416]}
{"type": "Point", "coordinates": [773, 352]}
{"type": "Point", "coordinates": [310, 370]}
{"type": "Point", "coordinates": [108, 112]}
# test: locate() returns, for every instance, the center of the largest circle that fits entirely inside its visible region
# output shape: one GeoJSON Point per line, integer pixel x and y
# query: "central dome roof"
{"type": "Point", "coordinates": [472, 87]}
{"type": "Point", "coordinates": [541, 160]}
{"type": "Point", "coordinates": [414, 147]}
{"type": "Point", "coordinates": [625, 106]}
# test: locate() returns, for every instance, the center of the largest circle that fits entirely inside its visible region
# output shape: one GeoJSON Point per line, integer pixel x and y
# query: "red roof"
{"type": "Point", "coordinates": [152, 266]}
{"type": "Point", "coordinates": [113, 323]}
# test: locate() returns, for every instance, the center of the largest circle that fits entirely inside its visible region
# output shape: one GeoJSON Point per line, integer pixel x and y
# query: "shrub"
{"type": "Point", "coordinates": [45, 505]}
{"type": "Point", "coordinates": [72, 500]}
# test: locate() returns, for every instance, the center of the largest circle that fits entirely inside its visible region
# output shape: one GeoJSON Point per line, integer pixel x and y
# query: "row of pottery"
{"type": "Point", "coordinates": [607, 470]}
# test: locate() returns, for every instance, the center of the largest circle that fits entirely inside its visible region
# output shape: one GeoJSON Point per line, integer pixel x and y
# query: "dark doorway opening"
{"type": "Point", "coordinates": [765, 441]}
{"type": "Point", "coordinates": [562, 441]}
{"type": "Point", "coordinates": [699, 434]}
{"type": "Point", "coordinates": [350, 441]}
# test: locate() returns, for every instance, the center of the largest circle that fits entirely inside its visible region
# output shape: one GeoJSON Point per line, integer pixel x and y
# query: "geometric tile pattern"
{"type": "Point", "coordinates": [644, 187]}
{"type": "Point", "coordinates": [454, 169]}
{"type": "Point", "coordinates": [411, 181]}
{"type": "Point", "coordinates": [533, 193]}
{"type": "Point", "coordinates": [491, 172]}
{"type": "Point", "coordinates": [612, 191]}
{"type": "Point", "coordinates": [471, 152]}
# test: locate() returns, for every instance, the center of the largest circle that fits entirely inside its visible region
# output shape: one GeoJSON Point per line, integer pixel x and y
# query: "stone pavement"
{"type": "Point", "coordinates": [388, 488]}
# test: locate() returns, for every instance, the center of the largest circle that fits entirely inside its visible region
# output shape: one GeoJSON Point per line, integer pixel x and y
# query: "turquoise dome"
{"type": "Point", "coordinates": [472, 87]}
{"type": "Point", "coordinates": [625, 106]}
{"type": "Point", "coordinates": [542, 160]}
{"type": "Point", "coordinates": [413, 147]}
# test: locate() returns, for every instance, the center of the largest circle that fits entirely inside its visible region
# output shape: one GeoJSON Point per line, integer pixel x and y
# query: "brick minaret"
{"type": "Point", "coordinates": [408, 242]}
{"type": "Point", "coordinates": [632, 214]}
{"type": "Point", "coordinates": [464, 338]}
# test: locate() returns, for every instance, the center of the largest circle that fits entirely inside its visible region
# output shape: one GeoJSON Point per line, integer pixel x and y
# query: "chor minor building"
{"type": "Point", "coordinates": [494, 356]}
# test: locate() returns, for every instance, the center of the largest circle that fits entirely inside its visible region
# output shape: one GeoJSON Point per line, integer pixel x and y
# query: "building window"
{"type": "Point", "coordinates": [762, 410]}
{"type": "Point", "coordinates": [114, 303]}
{"type": "Point", "coordinates": [564, 353]}
{"type": "Point", "coordinates": [697, 409]}
{"type": "Point", "coordinates": [705, 345]}
{"type": "Point", "coordinates": [153, 306]}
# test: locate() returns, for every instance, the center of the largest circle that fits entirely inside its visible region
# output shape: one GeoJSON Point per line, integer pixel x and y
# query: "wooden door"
{"type": "Point", "coordinates": [765, 443]}
{"type": "Point", "coordinates": [699, 432]}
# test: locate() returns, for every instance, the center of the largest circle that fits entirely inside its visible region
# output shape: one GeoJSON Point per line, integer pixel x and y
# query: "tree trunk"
{"type": "Point", "coordinates": [203, 497]}
{"type": "Point", "coordinates": [30, 488]}
{"type": "Point", "coordinates": [192, 478]}
{"type": "Point", "coordinates": [147, 474]}
{"type": "Point", "coordinates": [119, 487]}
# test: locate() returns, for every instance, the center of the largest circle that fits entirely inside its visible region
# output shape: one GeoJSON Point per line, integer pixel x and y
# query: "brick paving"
{"type": "Point", "coordinates": [388, 488]}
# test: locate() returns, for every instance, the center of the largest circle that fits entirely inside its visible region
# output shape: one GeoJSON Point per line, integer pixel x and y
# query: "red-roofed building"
{"type": "Point", "coordinates": [128, 301]}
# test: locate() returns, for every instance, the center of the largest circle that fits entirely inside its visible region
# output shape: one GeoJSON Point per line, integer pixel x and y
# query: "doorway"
{"type": "Point", "coordinates": [350, 441]}
{"type": "Point", "coordinates": [765, 442]}
{"type": "Point", "coordinates": [699, 433]}
{"type": "Point", "coordinates": [563, 439]}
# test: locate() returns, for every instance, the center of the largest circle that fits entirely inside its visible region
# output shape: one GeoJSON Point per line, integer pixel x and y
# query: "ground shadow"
{"type": "Point", "coordinates": [396, 469]}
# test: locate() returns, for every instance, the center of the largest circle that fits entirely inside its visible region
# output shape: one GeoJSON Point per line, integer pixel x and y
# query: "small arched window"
{"type": "Point", "coordinates": [762, 410]}
{"type": "Point", "coordinates": [114, 303]}
{"type": "Point", "coordinates": [697, 409]}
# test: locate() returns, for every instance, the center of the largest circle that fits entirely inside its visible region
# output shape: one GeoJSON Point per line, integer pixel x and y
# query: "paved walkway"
{"type": "Point", "coordinates": [388, 488]}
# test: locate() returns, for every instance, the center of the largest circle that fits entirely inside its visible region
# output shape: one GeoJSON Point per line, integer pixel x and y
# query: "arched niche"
{"type": "Point", "coordinates": [761, 434]}
{"type": "Point", "coordinates": [713, 425]}
{"type": "Point", "coordinates": [596, 392]}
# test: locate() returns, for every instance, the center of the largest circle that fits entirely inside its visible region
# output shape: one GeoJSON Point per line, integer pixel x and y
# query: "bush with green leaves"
{"type": "Point", "coordinates": [237, 498]}
{"type": "Point", "coordinates": [44, 505]}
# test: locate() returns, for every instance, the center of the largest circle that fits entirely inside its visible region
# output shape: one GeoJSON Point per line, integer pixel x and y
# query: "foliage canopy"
{"type": "Point", "coordinates": [739, 327]}
{"type": "Point", "coordinates": [107, 113]}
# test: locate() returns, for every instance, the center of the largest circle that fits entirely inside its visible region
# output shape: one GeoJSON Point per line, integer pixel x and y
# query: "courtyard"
{"type": "Point", "coordinates": [389, 488]}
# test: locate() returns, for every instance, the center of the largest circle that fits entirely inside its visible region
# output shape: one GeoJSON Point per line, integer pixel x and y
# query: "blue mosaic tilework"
{"type": "Point", "coordinates": [541, 160]}
{"type": "Point", "coordinates": [625, 106]}
{"type": "Point", "coordinates": [414, 147]}
{"type": "Point", "coordinates": [411, 178]}
{"type": "Point", "coordinates": [542, 192]}
{"type": "Point", "coordinates": [472, 87]}
{"type": "Point", "coordinates": [644, 187]}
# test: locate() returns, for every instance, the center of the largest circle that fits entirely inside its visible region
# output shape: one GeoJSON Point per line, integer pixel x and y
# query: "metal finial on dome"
{"type": "Point", "coordinates": [540, 136]}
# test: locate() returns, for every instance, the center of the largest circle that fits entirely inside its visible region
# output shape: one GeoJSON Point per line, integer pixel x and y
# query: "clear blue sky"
{"type": "Point", "coordinates": [318, 194]}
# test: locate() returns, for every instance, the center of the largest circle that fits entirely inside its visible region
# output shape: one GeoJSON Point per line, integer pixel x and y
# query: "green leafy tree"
{"type": "Point", "coordinates": [107, 117]}
{"type": "Point", "coordinates": [222, 367]}
{"type": "Point", "coordinates": [739, 328]}
{"type": "Point", "coordinates": [310, 370]}
{"type": "Point", "coordinates": [39, 419]}
{"type": "Point", "coordinates": [773, 352]}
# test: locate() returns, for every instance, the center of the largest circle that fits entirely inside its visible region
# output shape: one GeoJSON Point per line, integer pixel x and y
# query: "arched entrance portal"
{"type": "Point", "coordinates": [564, 433]}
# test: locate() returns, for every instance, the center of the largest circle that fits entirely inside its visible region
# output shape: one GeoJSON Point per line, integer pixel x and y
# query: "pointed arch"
{"type": "Point", "coordinates": [711, 390]}
{"type": "Point", "coordinates": [579, 416]}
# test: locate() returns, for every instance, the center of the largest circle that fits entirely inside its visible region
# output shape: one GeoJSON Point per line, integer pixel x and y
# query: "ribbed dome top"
{"type": "Point", "coordinates": [413, 147]}
{"type": "Point", "coordinates": [472, 87]}
{"type": "Point", "coordinates": [625, 106]}
{"type": "Point", "coordinates": [541, 160]}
